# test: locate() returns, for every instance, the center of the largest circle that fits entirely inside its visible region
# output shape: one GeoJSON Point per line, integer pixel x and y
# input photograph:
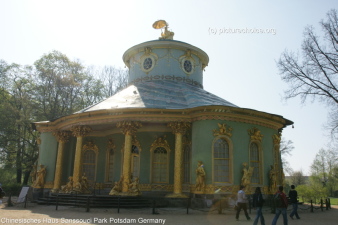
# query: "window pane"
{"type": "Point", "coordinates": [88, 167]}
{"type": "Point", "coordinates": [221, 161]}
{"type": "Point", "coordinates": [159, 172]}
{"type": "Point", "coordinates": [254, 162]}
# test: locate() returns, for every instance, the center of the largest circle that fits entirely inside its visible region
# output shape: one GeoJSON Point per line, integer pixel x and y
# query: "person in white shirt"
{"type": "Point", "coordinates": [241, 203]}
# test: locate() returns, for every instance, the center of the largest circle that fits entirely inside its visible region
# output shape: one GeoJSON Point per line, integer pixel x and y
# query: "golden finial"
{"type": "Point", "coordinates": [159, 24]}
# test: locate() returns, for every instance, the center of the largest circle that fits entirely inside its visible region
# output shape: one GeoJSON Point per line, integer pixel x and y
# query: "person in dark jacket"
{"type": "Point", "coordinates": [293, 199]}
{"type": "Point", "coordinates": [257, 203]}
{"type": "Point", "coordinates": [281, 209]}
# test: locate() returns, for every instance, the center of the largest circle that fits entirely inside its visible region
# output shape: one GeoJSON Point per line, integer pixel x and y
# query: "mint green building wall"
{"type": "Point", "coordinates": [145, 139]}
{"type": "Point", "coordinates": [202, 139]}
{"type": "Point", "coordinates": [47, 154]}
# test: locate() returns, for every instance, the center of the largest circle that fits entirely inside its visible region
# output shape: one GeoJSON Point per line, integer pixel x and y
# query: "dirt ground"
{"type": "Point", "coordinates": [41, 214]}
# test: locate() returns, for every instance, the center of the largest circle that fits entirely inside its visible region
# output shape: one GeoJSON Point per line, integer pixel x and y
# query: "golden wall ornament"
{"type": "Point", "coordinates": [62, 136]}
{"type": "Point", "coordinates": [160, 142]}
{"type": "Point", "coordinates": [128, 127]}
{"type": "Point", "coordinates": [90, 146]}
{"type": "Point", "coordinates": [179, 127]}
{"type": "Point", "coordinates": [111, 144]}
{"type": "Point", "coordinates": [80, 131]}
{"type": "Point", "coordinates": [273, 178]}
{"type": "Point", "coordinates": [276, 139]}
{"type": "Point", "coordinates": [223, 130]}
{"type": "Point", "coordinates": [255, 134]}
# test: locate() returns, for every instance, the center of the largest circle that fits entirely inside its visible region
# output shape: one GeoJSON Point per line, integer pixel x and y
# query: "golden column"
{"type": "Point", "coordinates": [62, 137]}
{"type": "Point", "coordinates": [79, 132]}
{"type": "Point", "coordinates": [179, 128]}
{"type": "Point", "coordinates": [128, 128]}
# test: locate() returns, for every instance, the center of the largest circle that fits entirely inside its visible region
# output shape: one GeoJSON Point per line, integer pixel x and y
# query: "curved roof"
{"type": "Point", "coordinates": [159, 95]}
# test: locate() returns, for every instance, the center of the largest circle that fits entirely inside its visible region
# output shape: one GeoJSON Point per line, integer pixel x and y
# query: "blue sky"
{"type": "Point", "coordinates": [242, 67]}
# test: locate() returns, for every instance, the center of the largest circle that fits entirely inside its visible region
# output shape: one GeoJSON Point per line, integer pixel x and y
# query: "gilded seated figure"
{"type": "Point", "coordinates": [68, 188]}
{"type": "Point", "coordinates": [134, 187]}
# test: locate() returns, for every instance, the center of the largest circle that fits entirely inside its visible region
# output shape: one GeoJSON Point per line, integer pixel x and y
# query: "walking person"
{"type": "Point", "coordinates": [241, 203]}
{"type": "Point", "coordinates": [293, 199]}
{"type": "Point", "coordinates": [257, 203]}
{"type": "Point", "coordinates": [281, 206]}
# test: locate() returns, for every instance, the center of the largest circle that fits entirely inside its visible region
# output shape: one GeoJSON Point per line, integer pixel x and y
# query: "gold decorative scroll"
{"type": "Point", "coordinates": [111, 144]}
{"type": "Point", "coordinates": [276, 138]}
{"type": "Point", "coordinates": [179, 127]}
{"type": "Point", "coordinates": [160, 142]}
{"type": "Point", "coordinates": [90, 146]}
{"type": "Point", "coordinates": [255, 134]}
{"type": "Point", "coordinates": [80, 131]}
{"type": "Point", "coordinates": [62, 136]}
{"type": "Point", "coordinates": [223, 130]}
{"type": "Point", "coordinates": [128, 127]}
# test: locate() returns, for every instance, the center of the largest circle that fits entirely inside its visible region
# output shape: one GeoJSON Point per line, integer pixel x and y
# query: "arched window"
{"type": "Point", "coordinates": [221, 161]}
{"type": "Point", "coordinates": [135, 161]}
{"type": "Point", "coordinates": [89, 164]}
{"type": "Point", "coordinates": [255, 162]}
{"type": "Point", "coordinates": [186, 164]}
{"type": "Point", "coordinates": [110, 165]}
{"type": "Point", "coordinates": [160, 165]}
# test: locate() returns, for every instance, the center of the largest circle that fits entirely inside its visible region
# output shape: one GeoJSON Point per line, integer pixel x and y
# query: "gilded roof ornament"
{"type": "Point", "coordinates": [166, 34]}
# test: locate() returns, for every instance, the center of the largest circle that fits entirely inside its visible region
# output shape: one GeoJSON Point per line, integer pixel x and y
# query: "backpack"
{"type": "Point", "coordinates": [278, 201]}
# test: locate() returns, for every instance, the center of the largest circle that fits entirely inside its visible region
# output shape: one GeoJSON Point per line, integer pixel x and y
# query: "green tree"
{"type": "Point", "coordinates": [297, 178]}
{"type": "Point", "coordinates": [324, 169]}
{"type": "Point", "coordinates": [315, 74]}
{"type": "Point", "coordinates": [60, 86]}
{"type": "Point", "coordinates": [53, 87]}
{"type": "Point", "coordinates": [17, 139]}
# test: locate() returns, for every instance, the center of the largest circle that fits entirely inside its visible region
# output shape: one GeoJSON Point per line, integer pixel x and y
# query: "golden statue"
{"type": "Point", "coordinates": [68, 188]}
{"type": "Point", "coordinates": [134, 187]}
{"type": "Point", "coordinates": [166, 34]}
{"type": "Point", "coordinates": [40, 177]}
{"type": "Point", "coordinates": [200, 179]}
{"type": "Point", "coordinates": [116, 189]}
{"type": "Point", "coordinates": [247, 173]}
{"type": "Point", "coordinates": [84, 185]}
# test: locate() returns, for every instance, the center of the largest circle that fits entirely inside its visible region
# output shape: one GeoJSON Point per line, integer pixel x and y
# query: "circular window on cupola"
{"type": "Point", "coordinates": [187, 62]}
{"type": "Point", "coordinates": [147, 63]}
{"type": "Point", "coordinates": [187, 66]}
{"type": "Point", "coordinates": [148, 60]}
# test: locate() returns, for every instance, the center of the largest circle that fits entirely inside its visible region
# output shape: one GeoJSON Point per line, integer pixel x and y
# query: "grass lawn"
{"type": "Point", "coordinates": [334, 201]}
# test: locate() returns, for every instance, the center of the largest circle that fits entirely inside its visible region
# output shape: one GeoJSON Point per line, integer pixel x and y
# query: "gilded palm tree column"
{"type": "Point", "coordinates": [179, 128]}
{"type": "Point", "coordinates": [79, 132]}
{"type": "Point", "coordinates": [62, 137]}
{"type": "Point", "coordinates": [128, 128]}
